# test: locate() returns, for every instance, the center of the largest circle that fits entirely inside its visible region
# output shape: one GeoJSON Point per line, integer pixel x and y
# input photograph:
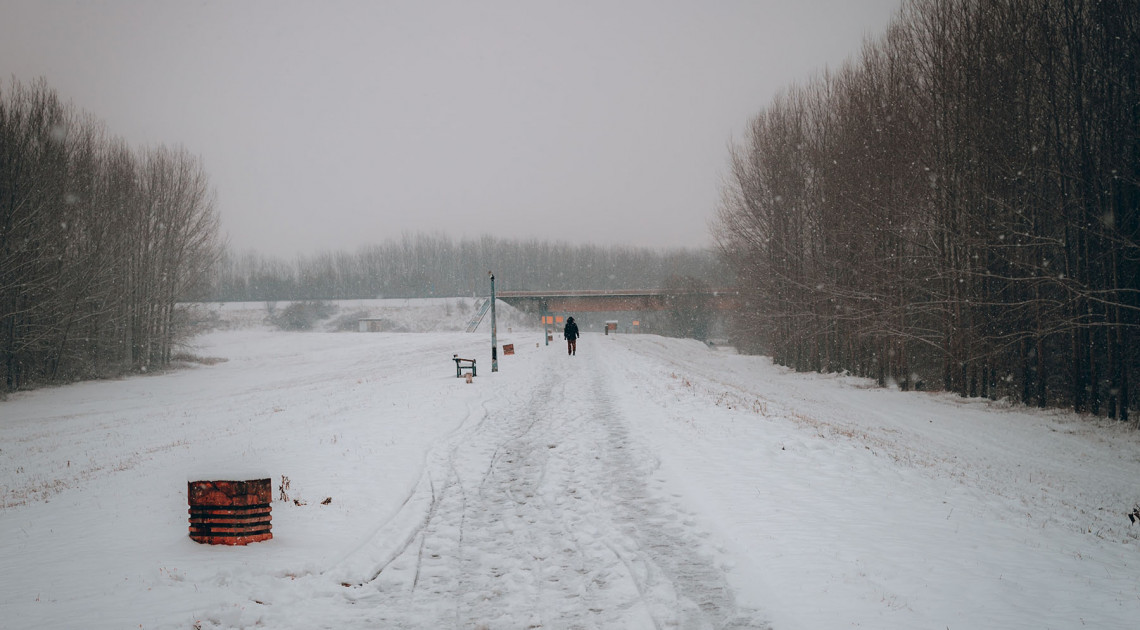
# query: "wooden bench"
{"type": "Point", "coordinates": [463, 364]}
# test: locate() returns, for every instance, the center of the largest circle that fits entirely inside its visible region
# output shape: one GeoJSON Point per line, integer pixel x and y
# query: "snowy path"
{"type": "Point", "coordinates": [540, 509]}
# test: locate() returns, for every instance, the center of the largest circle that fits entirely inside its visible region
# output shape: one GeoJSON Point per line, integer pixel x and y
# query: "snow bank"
{"type": "Point", "coordinates": [394, 315]}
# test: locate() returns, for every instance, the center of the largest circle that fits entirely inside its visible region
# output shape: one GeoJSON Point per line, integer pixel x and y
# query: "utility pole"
{"type": "Point", "coordinates": [494, 330]}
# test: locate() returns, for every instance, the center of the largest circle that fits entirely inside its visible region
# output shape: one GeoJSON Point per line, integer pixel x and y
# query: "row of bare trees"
{"type": "Point", "coordinates": [959, 208]}
{"type": "Point", "coordinates": [423, 265]}
{"type": "Point", "coordinates": [98, 243]}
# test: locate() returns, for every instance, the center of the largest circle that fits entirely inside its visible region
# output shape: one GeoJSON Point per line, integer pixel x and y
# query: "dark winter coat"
{"type": "Point", "coordinates": [571, 330]}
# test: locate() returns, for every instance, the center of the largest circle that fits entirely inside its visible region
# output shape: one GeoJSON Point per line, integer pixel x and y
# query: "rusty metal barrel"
{"type": "Point", "coordinates": [230, 512]}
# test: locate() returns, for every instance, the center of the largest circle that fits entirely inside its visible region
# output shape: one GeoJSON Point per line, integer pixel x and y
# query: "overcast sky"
{"type": "Point", "coordinates": [330, 125]}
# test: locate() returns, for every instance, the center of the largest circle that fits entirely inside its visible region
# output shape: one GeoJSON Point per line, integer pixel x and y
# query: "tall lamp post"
{"type": "Point", "coordinates": [494, 329]}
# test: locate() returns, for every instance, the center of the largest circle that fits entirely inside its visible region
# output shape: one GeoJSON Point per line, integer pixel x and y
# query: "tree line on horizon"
{"type": "Point", "coordinates": [98, 243]}
{"type": "Point", "coordinates": [958, 208]}
{"type": "Point", "coordinates": [434, 265]}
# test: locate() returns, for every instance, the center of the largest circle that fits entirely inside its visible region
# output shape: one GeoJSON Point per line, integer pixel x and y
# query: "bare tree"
{"type": "Point", "coordinates": [958, 207]}
{"type": "Point", "coordinates": [96, 246]}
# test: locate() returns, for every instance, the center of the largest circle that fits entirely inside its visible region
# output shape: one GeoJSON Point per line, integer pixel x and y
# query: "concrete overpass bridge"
{"type": "Point", "coordinates": [597, 301]}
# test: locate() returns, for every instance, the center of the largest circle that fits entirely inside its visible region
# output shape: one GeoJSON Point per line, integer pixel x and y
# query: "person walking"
{"type": "Point", "coordinates": [571, 334]}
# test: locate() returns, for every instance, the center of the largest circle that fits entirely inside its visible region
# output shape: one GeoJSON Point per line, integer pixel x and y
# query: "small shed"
{"type": "Point", "coordinates": [370, 324]}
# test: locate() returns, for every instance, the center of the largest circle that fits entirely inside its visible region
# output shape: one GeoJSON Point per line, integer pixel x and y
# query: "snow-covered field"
{"type": "Point", "coordinates": [644, 483]}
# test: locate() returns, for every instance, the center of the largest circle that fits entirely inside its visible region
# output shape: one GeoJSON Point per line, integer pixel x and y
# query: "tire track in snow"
{"type": "Point", "coordinates": [686, 587]}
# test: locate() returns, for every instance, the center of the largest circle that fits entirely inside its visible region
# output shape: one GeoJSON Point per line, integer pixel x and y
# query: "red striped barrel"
{"type": "Point", "coordinates": [230, 512]}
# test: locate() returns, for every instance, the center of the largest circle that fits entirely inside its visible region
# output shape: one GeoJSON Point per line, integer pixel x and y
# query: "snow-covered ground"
{"type": "Point", "coordinates": [644, 483]}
